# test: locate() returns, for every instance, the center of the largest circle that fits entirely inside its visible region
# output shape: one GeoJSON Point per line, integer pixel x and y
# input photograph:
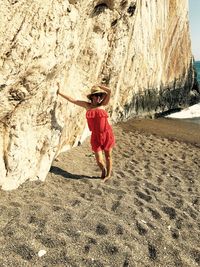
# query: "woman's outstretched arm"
{"type": "Point", "coordinates": [108, 94]}
{"type": "Point", "coordinates": [80, 103]}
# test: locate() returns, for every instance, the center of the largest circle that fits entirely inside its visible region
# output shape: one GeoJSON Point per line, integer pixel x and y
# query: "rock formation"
{"type": "Point", "coordinates": [140, 48]}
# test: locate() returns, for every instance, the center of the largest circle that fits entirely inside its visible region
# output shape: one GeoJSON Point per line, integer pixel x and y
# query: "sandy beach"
{"type": "Point", "coordinates": [146, 215]}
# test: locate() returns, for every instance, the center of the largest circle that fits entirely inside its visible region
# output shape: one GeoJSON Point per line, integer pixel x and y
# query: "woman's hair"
{"type": "Point", "coordinates": [97, 94]}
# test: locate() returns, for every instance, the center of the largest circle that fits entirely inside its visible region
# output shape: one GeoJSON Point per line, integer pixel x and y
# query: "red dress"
{"type": "Point", "coordinates": [102, 137]}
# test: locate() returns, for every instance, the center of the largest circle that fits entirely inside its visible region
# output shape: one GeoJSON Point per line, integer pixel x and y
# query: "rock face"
{"type": "Point", "coordinates": [140, 48]}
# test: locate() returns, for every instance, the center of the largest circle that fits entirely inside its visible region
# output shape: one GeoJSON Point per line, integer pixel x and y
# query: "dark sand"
{"type": "Point", "coordinates": [146, 215]}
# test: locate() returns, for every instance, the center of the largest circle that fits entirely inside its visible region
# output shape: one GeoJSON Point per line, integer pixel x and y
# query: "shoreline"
{"type": "Point", "coordinates": [195, 120]}
{"type": "Point", "coordinates": [181, 130]}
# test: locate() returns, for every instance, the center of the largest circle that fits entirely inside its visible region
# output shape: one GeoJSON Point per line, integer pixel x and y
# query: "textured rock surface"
{"type": "Point", "coordinates": [140, 48]}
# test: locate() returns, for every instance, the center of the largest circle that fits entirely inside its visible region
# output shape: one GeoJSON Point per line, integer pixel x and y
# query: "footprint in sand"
{"type": "Point", "coordinates": [101, 229]}
{"type": "Point", "coordinates": [143, 196]}
{"type": "Point", "coordinates": [110, 248]}
{"type": "Point", "coordinates": [37, 221]}
{"type": "Point", "coordinates": [179, 203]}
{"type": "Point", "coordinates": [137, 202]}
{"type": "Point", "coordinates": [159, 180]}
{"type": "Point", "coordinates": [115, 205]}
{"type": "Point", "coordinates": [195, 255]}
{"type": "Point", "coordinates": [66, 217]}
{"type": "Point", "coordinates": [179, 223]}
{"type": "Point", "coordinates": [75, 202]}
{"type": "Point", "coordinates": [119, 230]}
{"type": "Point", "coordinates": [175, 233]}
{"type": "Point", "coordinates": [24, 251]}
{"type": "Point", "coordinates": [121, 174]}
{"type": "Point", "coordinates": [15, 204]}
{"type": "Point", "coordinates": [141, 230]}
{"type": "Point", "coordinates": [56, 208]}
{"type": "Point", "coordinates": [171, 212]}
{"type": "Point", "coordinates": [116, 183]}
{"type": "Point", "coordinates": [155, 214]}
{"type": "Point", "coordinates": [9, 230]}
{"type": "Point", "coordinates": [152, 252]}
{"type": "Point", "coordinates": [50, 242]}
{"type": "Point", "coordinates": [153, 187]}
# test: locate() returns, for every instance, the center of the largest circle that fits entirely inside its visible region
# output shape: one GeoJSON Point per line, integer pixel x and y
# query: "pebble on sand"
{"type": "Point", "coordinates": [42, 252]}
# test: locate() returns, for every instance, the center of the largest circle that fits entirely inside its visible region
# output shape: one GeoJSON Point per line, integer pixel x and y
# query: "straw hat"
{"type": "Point", "coordinates": [96, 90]}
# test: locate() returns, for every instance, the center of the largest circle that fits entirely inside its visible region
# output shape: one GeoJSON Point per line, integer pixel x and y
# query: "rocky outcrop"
{"type": "Point", "coordinates": [140, 48]}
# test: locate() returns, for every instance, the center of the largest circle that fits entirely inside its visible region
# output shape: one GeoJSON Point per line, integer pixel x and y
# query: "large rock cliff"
{"type": "Point", "coordinates": [140, 48]}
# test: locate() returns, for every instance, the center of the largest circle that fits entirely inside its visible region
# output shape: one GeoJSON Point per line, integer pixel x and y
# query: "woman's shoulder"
{"type": "Point", "coordinates": [90, 106]}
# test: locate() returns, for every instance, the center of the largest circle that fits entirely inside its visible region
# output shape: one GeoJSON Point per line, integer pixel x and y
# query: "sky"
{"type": "Point", "coordinates": [194, 18]}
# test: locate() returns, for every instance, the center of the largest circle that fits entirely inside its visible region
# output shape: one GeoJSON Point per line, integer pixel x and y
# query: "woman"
{"type": "Point", "coordinates": [102, 138]}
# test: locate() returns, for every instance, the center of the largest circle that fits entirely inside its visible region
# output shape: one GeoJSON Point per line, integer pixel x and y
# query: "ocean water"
{"type": "Point", "coordinates": [190, 114]}
{"type": "Point", "coordinates": [197, 66]}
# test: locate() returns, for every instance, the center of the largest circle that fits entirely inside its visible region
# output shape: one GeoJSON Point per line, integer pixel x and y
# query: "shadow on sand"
{"type": "Point", "coordinates": [68, 175]}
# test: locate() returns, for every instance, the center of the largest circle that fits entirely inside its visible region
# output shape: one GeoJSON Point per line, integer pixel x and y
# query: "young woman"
{"type": "Point", "coordinates": [102, 138]}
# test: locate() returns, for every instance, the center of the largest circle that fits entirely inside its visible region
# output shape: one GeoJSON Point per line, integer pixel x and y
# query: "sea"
{"type": "Point", "coordinates": [197, 67]}
{"type": "Point", "coordinates": [192, 113]}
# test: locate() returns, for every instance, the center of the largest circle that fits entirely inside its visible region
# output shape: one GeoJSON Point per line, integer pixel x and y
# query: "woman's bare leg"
{"type": "Point", "coordinates": [100, 163]}
{"type": "Point", "coordinates": [108, 156]}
